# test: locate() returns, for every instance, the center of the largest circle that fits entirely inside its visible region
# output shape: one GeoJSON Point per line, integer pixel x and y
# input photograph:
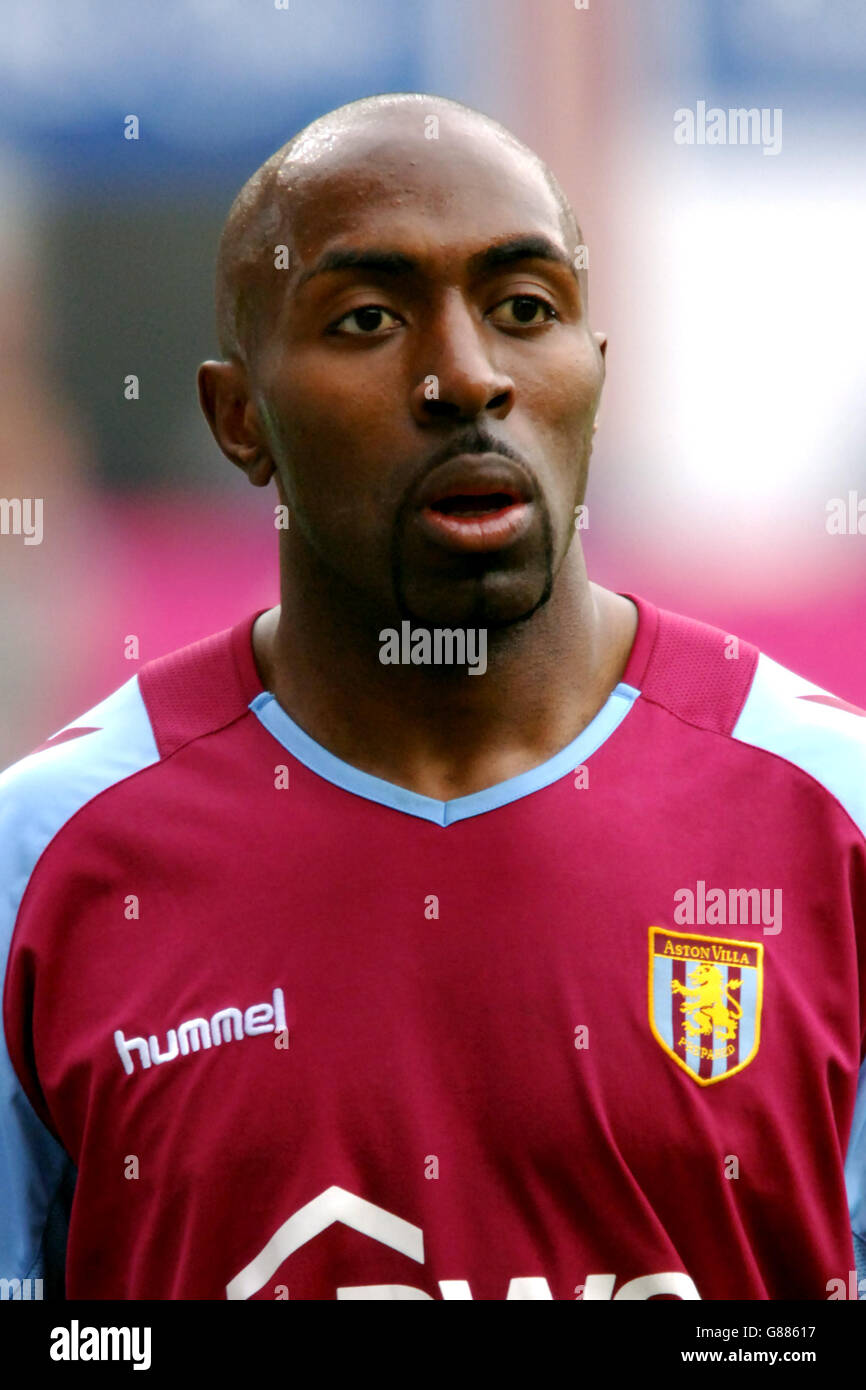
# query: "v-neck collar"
{"type": "Point", "coordinates": [327, 765]}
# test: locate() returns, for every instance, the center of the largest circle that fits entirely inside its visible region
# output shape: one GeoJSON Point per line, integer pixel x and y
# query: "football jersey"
{"type": "Point", "coordinates": [274, 1027]}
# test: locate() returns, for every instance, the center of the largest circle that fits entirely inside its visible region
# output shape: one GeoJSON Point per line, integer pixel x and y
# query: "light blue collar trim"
{"type": "Point", "coordinates": [352, 779]}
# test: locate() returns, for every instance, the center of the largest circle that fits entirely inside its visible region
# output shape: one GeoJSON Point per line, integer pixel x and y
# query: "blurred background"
{"type": "Point", "coordinates": [731, 284]}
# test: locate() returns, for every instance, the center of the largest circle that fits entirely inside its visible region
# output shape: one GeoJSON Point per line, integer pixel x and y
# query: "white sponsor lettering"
{"type": "Point", "coordinates": [196, 1034]}
{"type": "Point", "coordinates": [336, 1204]}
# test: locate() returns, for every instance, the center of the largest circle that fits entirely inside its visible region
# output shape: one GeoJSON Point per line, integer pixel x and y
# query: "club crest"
{"type": "Point", "coordinates": [705, 997]}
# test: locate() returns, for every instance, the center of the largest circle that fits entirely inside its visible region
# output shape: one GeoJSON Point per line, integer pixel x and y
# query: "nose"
{"type": "Point", "coordinates": [457, 381]}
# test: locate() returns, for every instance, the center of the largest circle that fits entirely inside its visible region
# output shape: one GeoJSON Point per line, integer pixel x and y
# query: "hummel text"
{"type": "Point", "coordinates": [197, 1034]}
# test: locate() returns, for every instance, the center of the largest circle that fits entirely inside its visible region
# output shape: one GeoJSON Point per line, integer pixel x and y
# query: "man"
{"type": "Point", "coordinates": [458, 929]}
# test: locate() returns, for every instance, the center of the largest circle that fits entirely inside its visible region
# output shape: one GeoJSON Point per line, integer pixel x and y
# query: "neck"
{"type": "Point", "coordinates": [436, 729]}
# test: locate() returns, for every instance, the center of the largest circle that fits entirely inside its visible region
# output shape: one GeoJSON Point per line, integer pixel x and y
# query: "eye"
{"type": "Point", "coordinates": [523, 311]}
{"type": "Point", "coordinates": [369, 320]}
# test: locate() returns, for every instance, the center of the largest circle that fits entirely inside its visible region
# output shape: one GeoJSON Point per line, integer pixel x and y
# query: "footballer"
{"type": "Point", "coordinates": [457, 929]}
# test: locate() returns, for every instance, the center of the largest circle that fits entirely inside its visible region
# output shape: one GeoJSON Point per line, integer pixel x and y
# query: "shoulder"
{"type": "Point", "coordinates": [172, 701]}
{"type": "Point", "coordinates": [42, 791]}
{"type": "Point", "coordinates": [810, 727]}
{"type": "Point", "coordinates": [716, 681]}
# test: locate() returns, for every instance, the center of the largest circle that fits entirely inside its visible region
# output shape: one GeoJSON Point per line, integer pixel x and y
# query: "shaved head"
{"type": "Point", "coordinates": [261, 216]}
{"type": "Point", "coordinates": [402, 292]}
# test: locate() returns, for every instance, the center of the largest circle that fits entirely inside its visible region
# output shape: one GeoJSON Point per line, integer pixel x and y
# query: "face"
{"type": "Point", "coordinates": [428, 387]}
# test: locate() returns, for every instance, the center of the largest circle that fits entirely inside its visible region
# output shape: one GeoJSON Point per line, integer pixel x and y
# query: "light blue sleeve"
{"type": "Point", "coordinates": [811, 728]}
{"type": "Point", "coordinates": [855, 1178]}
{"type": "Point", "coordinates": [38, 795]}
{"type": "Point", "coordinates": [36, 1175]}
{"type": "Point", "coordinates": [37, 1180]}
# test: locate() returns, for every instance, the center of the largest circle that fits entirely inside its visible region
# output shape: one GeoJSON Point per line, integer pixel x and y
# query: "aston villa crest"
{"type": "Point", "coordinates": [705, 997]}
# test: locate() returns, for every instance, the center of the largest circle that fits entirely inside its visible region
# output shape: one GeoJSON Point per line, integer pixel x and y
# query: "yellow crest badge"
{"type": "Point", "coordinates": [705, 996]}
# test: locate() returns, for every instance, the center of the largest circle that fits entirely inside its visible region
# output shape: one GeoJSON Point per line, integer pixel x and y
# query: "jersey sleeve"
{"type": "Point", "coordinates": [825, 737]}
{"type": "Point", "coordinates": [36, 1175]}
{"type": "Point", "coordinates": [855, 1180]}
{"type": "Point", "coordinates": [37, 1180]}
{"type": "Point", "coordinates": [38, 796]}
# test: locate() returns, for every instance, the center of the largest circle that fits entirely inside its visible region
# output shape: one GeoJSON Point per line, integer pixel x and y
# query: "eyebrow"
{"type": "Point", "coordinates": [519, 248]}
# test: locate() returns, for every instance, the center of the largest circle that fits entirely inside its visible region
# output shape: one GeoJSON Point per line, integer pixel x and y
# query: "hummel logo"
{"type": "Point", "coordinates": [196, 1034]}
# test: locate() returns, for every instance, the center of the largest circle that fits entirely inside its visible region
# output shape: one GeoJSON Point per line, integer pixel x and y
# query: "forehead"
{"type": "Point", "coordinates": [463, 189]}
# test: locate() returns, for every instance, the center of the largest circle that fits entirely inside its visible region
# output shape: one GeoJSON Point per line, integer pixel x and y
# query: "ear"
{"type": "Point", "coordinates": [224, 395]}
{"type": "Point", "coordinates": [601, 340]}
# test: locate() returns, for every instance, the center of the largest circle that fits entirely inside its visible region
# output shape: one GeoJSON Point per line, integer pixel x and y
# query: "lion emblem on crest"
{"type": "Point", "coordinates": [708, 1003]}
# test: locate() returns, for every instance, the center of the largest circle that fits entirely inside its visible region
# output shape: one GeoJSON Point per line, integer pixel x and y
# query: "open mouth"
{"type": "Point", "coordinates": [469, 505]}
{"type": "Point", "coordinates": [473, 521]}
{"type": "Point", "coordinates": [475, 502]}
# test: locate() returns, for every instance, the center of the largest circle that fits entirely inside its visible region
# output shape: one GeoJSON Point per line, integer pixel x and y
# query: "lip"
{"type": "Point", "coordinates": [476, 475]}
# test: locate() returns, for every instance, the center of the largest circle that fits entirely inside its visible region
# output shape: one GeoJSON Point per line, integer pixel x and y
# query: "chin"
{"type": "Point", "coordinates": [497, 603]}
